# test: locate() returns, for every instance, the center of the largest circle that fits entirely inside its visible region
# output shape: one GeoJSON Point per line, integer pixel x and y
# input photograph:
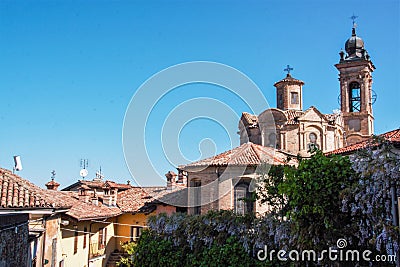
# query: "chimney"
{"type": "Point", "coordinates": [182, 178]}
{"type": "Point", "coordinates": [52, 185]}
{"type": "Point", "coordinates": [107, 197]}
{"type": "Point", "coordinates": [115, 195]}
{"type": "Point", "coordinates": [95, 200]}
{"type": "Point", "coordinates": [83, 193]}
{"type": "Point", "coordinates": [171, 177]}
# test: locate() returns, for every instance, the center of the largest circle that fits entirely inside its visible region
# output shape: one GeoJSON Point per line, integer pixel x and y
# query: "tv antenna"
{"type": "Point", "coordinates": [84, 164]}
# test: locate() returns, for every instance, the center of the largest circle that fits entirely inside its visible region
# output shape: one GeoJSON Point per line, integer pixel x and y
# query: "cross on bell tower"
{"type": "Point", "coordinates": [288, 69]}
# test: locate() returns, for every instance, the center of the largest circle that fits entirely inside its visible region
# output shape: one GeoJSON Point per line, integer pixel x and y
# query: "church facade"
{"type": "Point", "coordinates": [296, 131]}
{"type": "Point", "coordinates": [224, 180]}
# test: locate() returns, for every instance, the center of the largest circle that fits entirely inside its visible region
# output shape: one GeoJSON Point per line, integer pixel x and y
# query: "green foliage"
{"type": "Point", "coordinates": [214, 239]}
{"type": "Point", "coordinates": [309, 197]}
{"type": "Point", "coordinates": [313, 193]}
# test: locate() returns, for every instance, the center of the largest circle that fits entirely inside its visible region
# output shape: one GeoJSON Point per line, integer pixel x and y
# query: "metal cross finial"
{"type": "Point", "coordinates": [53, 175]}
{"type": "Point", "coordinates": [353, 18]}
{"type": "Point", "coordinates": [288, 69]}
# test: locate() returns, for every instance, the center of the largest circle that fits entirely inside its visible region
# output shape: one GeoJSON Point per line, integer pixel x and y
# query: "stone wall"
{"type": "Point", "coordinates": [14, 233]}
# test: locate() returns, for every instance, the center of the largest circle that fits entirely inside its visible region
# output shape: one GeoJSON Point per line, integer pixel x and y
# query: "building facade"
{"type": "Point", "coordinates": [296, 131]}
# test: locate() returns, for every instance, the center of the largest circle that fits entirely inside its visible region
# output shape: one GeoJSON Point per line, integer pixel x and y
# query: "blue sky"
{"type": "Point", "coordinates": [68, 70]}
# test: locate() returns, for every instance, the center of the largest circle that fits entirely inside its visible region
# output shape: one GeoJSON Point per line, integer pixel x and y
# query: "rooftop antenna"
{"type": "Point", "coordinates": [84, 172]}
{"type": "Point", "coordinates": [99, 175]}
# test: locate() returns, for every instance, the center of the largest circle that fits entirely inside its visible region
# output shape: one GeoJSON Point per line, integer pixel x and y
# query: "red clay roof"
{"type": "Point", "coordinates": [16, 192]}
{"type": "Point", "coordinates": [246, 154]}
{"type": "Point", "coordinates": [136, 198]}
{"type": "Point", "coordinates": [249, 119]}
{"type": "Point", "coordinates": [82, 210]}
{"type": "Point", "coordinates": [289, 79]}
{"type": "Point", "coordinates": [98, 184]}
{"type": "Point", "coordinates": [19, 193]}
{"type": "Point", "coordinates": [112, 184]}
{"type": "Point", "coordinates": [392, 136]}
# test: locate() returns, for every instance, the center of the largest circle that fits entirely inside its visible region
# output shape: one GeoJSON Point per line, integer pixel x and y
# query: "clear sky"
{"type": "Point", "coordinates": [68, 70]}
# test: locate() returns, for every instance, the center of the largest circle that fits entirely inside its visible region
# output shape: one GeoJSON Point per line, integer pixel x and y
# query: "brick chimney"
{"type": "Point", "coordinates": [182, 178]}
{"type": "Point", "coordinates": [171, 179]}
{"type": "Point", "coordinates": [84, 193]}
{"type": "Point", "coordinates": [52, 185]}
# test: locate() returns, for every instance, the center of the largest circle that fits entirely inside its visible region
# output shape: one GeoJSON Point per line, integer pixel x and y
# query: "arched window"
{"type": "Point", "coordinates": [242, 196]}
{"type": "Point", "coordinates": [313, 145]}
{"type": "Point", "coordinates": [355, 97]}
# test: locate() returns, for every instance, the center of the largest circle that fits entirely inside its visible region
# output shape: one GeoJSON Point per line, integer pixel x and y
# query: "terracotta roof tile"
{"type": "Point", "coordinates": [289, 79]}
{"type": "Point", "coordinates": [137, 199]}
{"type": "Point", "coordinates": [249, 119]}
{"type": "Point", "coordinates": [392, 136]}
{"type": "Point", "coordinates": [293, 115]}
{"type": "Point", "coordinates": [246, 154]}
{"type": "Point", "coordinates": [113, 184]}
{"type": "Point", "coordinates": [81, 210]}
{"type": "Point", "coordinates": [17, 192]}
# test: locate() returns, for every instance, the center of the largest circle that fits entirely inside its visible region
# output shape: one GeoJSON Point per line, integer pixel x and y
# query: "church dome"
{"type": "Point", "coordinates": [354, 45]}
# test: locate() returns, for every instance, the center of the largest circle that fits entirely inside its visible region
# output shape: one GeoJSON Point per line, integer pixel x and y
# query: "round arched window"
{"type": "Point", "coordinates": [313, 138]}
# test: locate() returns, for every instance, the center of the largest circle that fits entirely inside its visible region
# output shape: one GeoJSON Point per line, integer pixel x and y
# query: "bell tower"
{"type": "Point", "coordinates": [289, 92]}
{"type": "Point", "coordinates": [355, 75]}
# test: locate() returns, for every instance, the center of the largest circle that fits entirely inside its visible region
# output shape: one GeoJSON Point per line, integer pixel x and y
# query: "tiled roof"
{"type": "Point", "coordinates": [16, 192]}
{"type": "Point", "coordinates": [244, 155]}
{"type": "Point", "coordinates": [98, 184]}
{"type": "Point", "coordinates": [289, 78]}
{"type": "Point", "coordinates": [52, 183]}
{"type": "Point", "coordinates": [293, 115]}
{"type": "Point", "coordinates": [392, 136]}
{"type": "Point", "coordinates": [82, 210]}
{"type": "Point", "coordinates": [112, 184]}
{"type": "Point", "coordinates": [331, 117]}
{"type": "Point", "coordinates": [249, 119]}
{"type": "Point", "coordinates": [137, 199]}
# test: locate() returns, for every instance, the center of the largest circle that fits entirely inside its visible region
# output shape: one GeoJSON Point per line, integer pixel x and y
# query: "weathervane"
{"type": "Point", "coordinates": [53, 175]}
{"type": "Point", "coordinates": [353, 18]}
{"type": "Point", "coordinates": [288, 69]}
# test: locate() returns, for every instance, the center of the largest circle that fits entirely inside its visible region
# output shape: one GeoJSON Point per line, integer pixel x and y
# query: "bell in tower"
{"type": "Point", "coordinates": [355, 76]}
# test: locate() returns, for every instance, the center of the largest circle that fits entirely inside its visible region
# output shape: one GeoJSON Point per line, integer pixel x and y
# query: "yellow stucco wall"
{"type": "Point", "coordinates": [80, 258]}
{"type": "Point", "coordinates": [124, 231]}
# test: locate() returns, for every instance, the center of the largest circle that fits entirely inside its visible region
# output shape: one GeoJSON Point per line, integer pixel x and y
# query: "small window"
{"type": "Point", "coordinates": [242, 205]}
{"type": "Point", "coordinates": [102, 238]}
{"type": "Point", "coordinates": [294, 96]}
{"type": "Point", "coordinates": [136, 232]}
